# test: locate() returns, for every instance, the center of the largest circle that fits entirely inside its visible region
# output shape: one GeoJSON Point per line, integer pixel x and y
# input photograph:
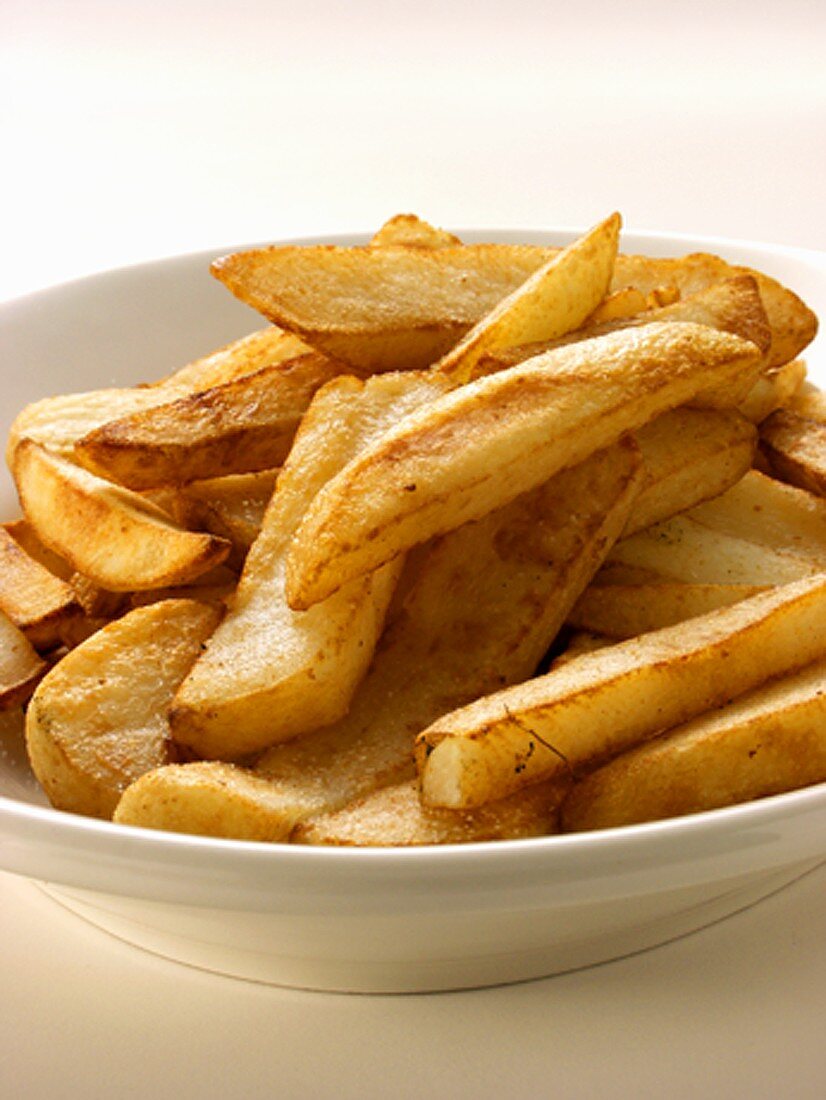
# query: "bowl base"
{"type": "Point", "coordinates": [262, 947]}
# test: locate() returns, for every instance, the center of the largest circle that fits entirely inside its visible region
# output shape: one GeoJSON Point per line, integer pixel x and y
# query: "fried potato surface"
{"type": "Point", "coordinates": [556, 299]}
{"type": "Point", "coordinates": [42, 605]}
{"type": "Point", "coordinates": [625, 610]}
{"type": "Point", "coordinates": [117, 539]}
{"type": "Point", "coordinates": [795, 449]}
{"type": "Point", "coordinates": [604, 703]}
{"type": "Point", "coordinates": [402, 308]}
{"type": "Point", "coordinates": [412, 231]}
{"type": "Point", "coordinates": [242, 426]}
{"type": "Point", "coordinates": [479, 610]}
{"type": "Point", "coordinates": [395, 816]}
{"type": "Point", "coordinates": [98, 719]}
{"type": "Point", "coordinates": [477, 447]}
{"type": "Point", "coordinates": [689, 455]}
{"type": "Point", "coordinates": [768, 741]}
{"type": "Point", "coordinates": [270, 673]}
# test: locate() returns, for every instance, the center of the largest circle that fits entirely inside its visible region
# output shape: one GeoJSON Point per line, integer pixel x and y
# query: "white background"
{"type": "Point", "coordinates": [131, 131]}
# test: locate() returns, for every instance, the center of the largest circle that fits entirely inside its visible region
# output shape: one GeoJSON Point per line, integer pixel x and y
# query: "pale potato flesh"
{"type": "Point", "coordinates": [603, 703]}
{"type": "Point", "coordinates": [477, 447]}
{"type": "Point", "coordinates": [98, 719]}
{"type": "Point", "coordinates": [625, 610]}
{"type": "Point", "coordinates": [768, 741]}
{"type": "Point", "coordinates": [555, 300]}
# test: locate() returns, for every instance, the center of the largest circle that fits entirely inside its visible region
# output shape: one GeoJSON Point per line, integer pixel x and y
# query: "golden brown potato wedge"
{"type": "Point", "coordinates": [231, 507]}
{"type": "Point", "coordinates": [480, 609]}
{"type": "Point", "coordinates": [412, 231]}
{"type": "Point", "coordinates": [682, 549]}
{"type": "Point", "coordinates": [110, 534]}
{"type": "Point", "coordinates": [20, 665]}
{"type": "Point", "coordinates": [477, 447]}
{"type": "Point", "coordinates": [40, 604]}
{"type": "Point", "coordinates": [555, 300]}
{"type": "Point", "coordinates": [625, 610]}
{"type": "Point", "coordinates": [795, 449]}
{"type": "Point", "coordinates": [270, 673]}
{"type": "Point", "coordinates": [768, 741]}
{"type": "Point", "coordinates": [207, 798]}
{"type": "Point", "coordinates": [733, 305]}
{"type": "Point", "coordinates": [402, 308]}
{"type": "Point", "coordinates": [242, 426]}
{"type": "Point", "coordinates": [394, 816]}
{"type": "Point", "coordinates": [57, 423]}
{"type": "Point", "coordinates": [604, 703]}
{"type": "Point", "coordinates": [689, 455]}
{"type": "Point", "coordinates": [98, 719]}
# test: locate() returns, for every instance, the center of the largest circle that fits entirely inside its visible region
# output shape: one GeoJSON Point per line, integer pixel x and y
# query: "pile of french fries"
{"type": "Point", "coordinates": [471, 542]}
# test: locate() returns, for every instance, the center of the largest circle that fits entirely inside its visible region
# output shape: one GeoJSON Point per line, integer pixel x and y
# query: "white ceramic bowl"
{"type": "Point", "coordinates": [371, 920]}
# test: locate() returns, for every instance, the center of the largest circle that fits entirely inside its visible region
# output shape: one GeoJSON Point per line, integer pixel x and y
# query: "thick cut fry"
{"type": "Point", "coordinates": [207, 798]}
{"type": "Point", "coordinates": [733, 305]}
{"type": "Point", "coordinates": [683, 549]}
{"type": "Point", "coordinates": [479, 611]}
{"type": "Point", "coordinates": [603, 703]}
{"type": "Point", "coordinates": [113, 536]}
{"type": "Point", "coordinates": [477, 447]}
{"type": "Point", "coordinates": [555, 300]}
{"type": "Point", "coordinates": [270, 673]}
{"type": "Point", "coordinates": [40, 604]}
{"type": "Point", "coordinates": [57, 423]}
{"type": "Point", "coordinates": [395, 816]}
{"type": "Point", "coordinates": [242, 426]}
{"type": "Point", "coordinates": [771, 514]}
{"type": "Point", "coordinates": [401, 308]}
{"type": "Point", "coordinates": [625, 610]}
{"type": "Point", "coordinates": [98, 719]}
{"type": "Point", "coordinates": [20, 666]}
{"type": "Point", "coordinates": [795, 449]}
{"type": "Point", "coordinates": [379, 308]}
{"type": "Point", "coordinates": [413, 232]}
{"type": "Point", "coordinates": [766, 742]}
{"type": "Point", "coordinates": [689, 455]}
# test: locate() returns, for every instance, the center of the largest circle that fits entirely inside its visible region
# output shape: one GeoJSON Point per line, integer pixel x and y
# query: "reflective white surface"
{"type": "Point", "coordinates": [132, 132]}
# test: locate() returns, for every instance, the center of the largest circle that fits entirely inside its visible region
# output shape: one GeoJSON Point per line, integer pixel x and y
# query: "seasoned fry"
{"type": "Point", "coordinates": [555, 300]}
{"type": "Point", "coordinates": [771, 740]}
{"type": "Point", "coordinates": [689, 455]}
{"type": "Point", "coordinates": [98, 719]}
{"type": "Point", "coordinates": [242, 426]}
{"type": "Point", "coordinates": [270, 673]}
{"type": "Point", "coordinates": [733, 305]}
{"type": "Point", "coordinates": [118, 540]}
{"type": "Point", "coordinates": [20, 666]}
{"type": "Point", "coordinates": [625, 610]}
{"type": "Point", "coordinates": [477, 447]}
{"type": "Point", "coordinates": [402, 308]}
{"type": "Point", "coordinates": [773, 390]}
{"type": "Point", "coordinates": [603, 703]}
{"type": "Point", "coordinates": [480, 610]}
